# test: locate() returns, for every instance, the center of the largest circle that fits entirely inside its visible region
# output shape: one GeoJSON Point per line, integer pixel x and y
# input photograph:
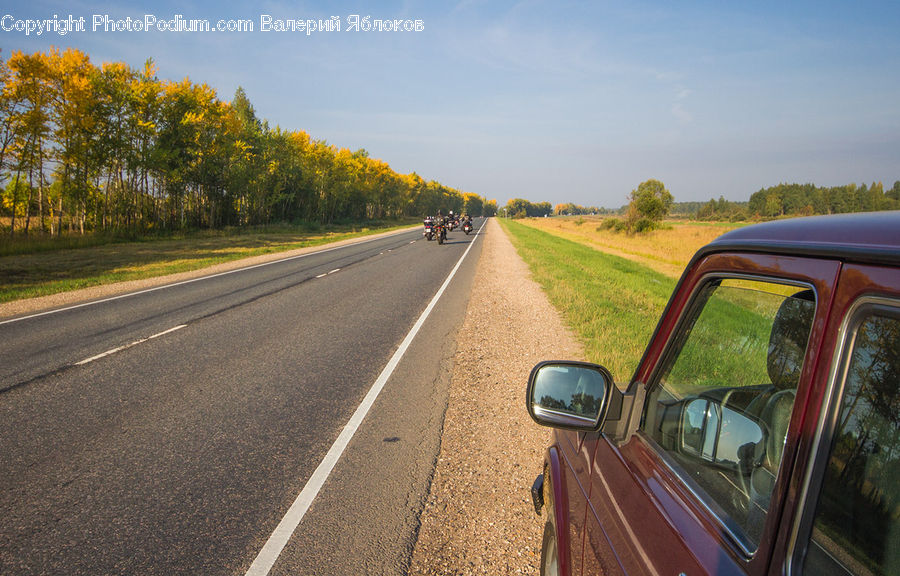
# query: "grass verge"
{"type": "Point", "coordinates": [667, 250]}
{"type": "Point", "coordinates": [43, 272]}
{"type": "Point", "coordinates": [612, 304]}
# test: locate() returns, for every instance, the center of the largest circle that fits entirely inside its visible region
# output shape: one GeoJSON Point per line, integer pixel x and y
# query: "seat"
{"type": "Point", "coordinates": [787, 347]}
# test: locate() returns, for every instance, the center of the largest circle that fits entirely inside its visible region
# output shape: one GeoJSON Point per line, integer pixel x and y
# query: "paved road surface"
{"type": "Point", "coordinates": [169, 432]}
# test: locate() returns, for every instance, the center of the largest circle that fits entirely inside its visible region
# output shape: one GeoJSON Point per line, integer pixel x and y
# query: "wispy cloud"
{"type": "Point", "coordinates": [679, 111]}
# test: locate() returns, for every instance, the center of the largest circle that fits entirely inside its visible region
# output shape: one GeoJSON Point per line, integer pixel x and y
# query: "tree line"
{"type": "Point", "coordinates": [113, 148]}
{"type": "Point", "coordinates": [783, 200]}
{"type": "Point", "coordinates": [804, 200]}
{"type": "Point", "coordinates": [572, 209]}
{"type": "Point", "coordinates": [521, 208]}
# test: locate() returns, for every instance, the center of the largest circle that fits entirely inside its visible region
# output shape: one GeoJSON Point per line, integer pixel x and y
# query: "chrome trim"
{"type": "Point", "coordinates": [556, 417]}
{"type": "Point", "coordinates": [688, 483]}
{"type": "Point", "coordinates": [828, 415]}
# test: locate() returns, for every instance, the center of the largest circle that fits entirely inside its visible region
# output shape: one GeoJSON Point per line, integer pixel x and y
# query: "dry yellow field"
{"type": "Point", "coordinates": [667, 251]}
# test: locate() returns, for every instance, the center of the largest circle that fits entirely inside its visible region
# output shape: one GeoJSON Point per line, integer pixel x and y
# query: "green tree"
{"type": "Point", "coordinates": [517, 208]}
{"type": "Point", "coordinates": [114, 148]}
{"type": "Point", "coordinates": [73, 100]}
{"type": "Point", "coordinates": [648, 205]}
{"type": "Point", "coordinates": [14, 197]}
{"type": "Point", "coordinates": [473, 204]}
{"type": "Point", "coordinates": [12, 105]}
{"type": "Point", "coordinates": [10, 116]}
{"type": "Point", "coordinates": [246, 171]}
{"type": "Point", "coordinates": [894, 192]}
{"type": "Point", "coordinates": [30, 82]}
{"type": "Point", "coordinates": [541, 209]}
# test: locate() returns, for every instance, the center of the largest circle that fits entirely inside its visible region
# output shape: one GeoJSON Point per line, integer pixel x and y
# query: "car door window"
{"type": "Point", "coordinates": [721, 405]}
{"type": "Point", "coordinates": [856, 527]}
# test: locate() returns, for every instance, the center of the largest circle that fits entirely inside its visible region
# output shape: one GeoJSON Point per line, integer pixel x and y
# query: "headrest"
{"type": "Point", "coordinates": [787, 343]}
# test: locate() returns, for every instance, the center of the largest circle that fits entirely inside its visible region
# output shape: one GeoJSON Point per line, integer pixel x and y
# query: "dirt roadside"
{"type": "Point", "coordinates": [478, 518]}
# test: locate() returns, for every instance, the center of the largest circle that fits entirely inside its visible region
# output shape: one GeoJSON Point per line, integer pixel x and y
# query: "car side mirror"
{"type": "Point", "coordinates": [570, 395]}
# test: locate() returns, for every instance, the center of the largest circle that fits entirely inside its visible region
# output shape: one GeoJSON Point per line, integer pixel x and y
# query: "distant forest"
{"type": "Point", "coordinates": [784, 200]}
{"type": "Point", "coordinates": [111, 148]}
{"type": "Point", "coordinates": [795, 200]}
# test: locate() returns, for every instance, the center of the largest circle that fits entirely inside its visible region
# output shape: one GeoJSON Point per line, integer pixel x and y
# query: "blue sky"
{"type": "Point", "coordinates": [553, 101]}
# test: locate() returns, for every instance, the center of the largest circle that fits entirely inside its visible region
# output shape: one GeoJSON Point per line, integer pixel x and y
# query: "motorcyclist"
{"type": "Point", "coordinates": [443, 221]}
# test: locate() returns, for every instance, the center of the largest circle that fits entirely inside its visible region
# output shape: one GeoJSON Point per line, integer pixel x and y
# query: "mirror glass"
{"type": "Point", "coordinates": [715, 433]}
{"type": "Point", "coordinates": [568, 394]}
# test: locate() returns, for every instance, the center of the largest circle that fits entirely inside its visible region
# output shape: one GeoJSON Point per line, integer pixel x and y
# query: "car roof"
{"type": "Point", "coordinates": [871, 237]}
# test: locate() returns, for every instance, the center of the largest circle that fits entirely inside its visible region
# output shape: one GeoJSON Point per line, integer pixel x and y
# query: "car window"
{"type": "Point", "coordinates": [720, 408]}
{"type": "Point", "coordinates": [856, 527]}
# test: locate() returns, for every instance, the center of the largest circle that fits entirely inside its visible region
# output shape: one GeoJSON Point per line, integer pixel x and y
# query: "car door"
{"type": "Point", "coordinates": [699, 488]}
{"type": "Point", "coordinates": [847, 520]}
{"type": "Point", "coordinates": [574, 463]}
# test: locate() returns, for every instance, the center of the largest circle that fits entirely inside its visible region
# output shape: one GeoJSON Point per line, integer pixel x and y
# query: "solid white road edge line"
{"type": "Point", "coordinates": [273, 547]}
{"type": "Point", "coordinates": [127, 346]}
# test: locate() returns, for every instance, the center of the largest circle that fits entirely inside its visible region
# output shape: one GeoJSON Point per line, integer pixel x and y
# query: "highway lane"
{"type": "Point", "coordinates": [40, 345]}
{"type": "Point", "coordinates": [180, 454]}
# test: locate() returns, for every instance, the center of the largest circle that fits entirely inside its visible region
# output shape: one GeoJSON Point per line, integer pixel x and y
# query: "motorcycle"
{"type": "Point", "coordinates": [440, 231]}
{"type": "Point", "coordinates": [467, 227]}
{"type": "Point", "coordinates": [429, 229]}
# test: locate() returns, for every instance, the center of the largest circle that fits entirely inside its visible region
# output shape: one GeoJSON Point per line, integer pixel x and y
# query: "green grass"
{"type": "Point", "coordinates": [729, 341]}
{"type": "Point", "coordinates": [611, 303]}
{"type": "Point", "coordinates": [42, 267]}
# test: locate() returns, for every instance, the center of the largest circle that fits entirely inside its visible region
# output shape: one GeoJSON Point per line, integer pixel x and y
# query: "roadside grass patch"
{"type": "Point", "coordinates": [666, 249]}
{"type": "Point", "coordinates": [611, 303]}
{"type": "Point", "coordinates": [42, 271]}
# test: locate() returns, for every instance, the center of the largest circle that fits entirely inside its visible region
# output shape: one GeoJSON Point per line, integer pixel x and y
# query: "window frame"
{"type": "Point", "coordinates": [690, 313]}
{"type": "Point", "coordinates": [861, 309]}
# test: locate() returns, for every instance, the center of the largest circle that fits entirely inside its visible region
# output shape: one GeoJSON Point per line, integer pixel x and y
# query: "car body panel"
{"type": "Point", "coordinates": [636, 483]}
{"type": "Point", "coordinates": [628, 510]}
{"type": "Point", "coordinates": [557, 498]}
{"type": "Point", "coordinates": [576, 493]}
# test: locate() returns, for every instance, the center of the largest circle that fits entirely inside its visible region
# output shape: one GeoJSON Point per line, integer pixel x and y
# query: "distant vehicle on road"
{"type": "Point", "coordinates": [760, 433]}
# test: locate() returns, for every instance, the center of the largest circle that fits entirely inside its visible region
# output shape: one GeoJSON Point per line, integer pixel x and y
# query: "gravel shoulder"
{"type": "Point", "coordinates": [478, 518]}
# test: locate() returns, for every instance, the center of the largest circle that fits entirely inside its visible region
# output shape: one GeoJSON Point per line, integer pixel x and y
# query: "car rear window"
{"type": "Point", "coordinates": [857, 519]}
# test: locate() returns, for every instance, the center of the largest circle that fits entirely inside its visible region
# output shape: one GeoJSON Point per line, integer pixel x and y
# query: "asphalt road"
{"type": "Point", "coordinates": [169, 431]}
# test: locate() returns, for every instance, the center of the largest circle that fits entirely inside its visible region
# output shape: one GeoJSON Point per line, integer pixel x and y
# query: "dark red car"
{"type": "Point", "coordinates": [760, 433]}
